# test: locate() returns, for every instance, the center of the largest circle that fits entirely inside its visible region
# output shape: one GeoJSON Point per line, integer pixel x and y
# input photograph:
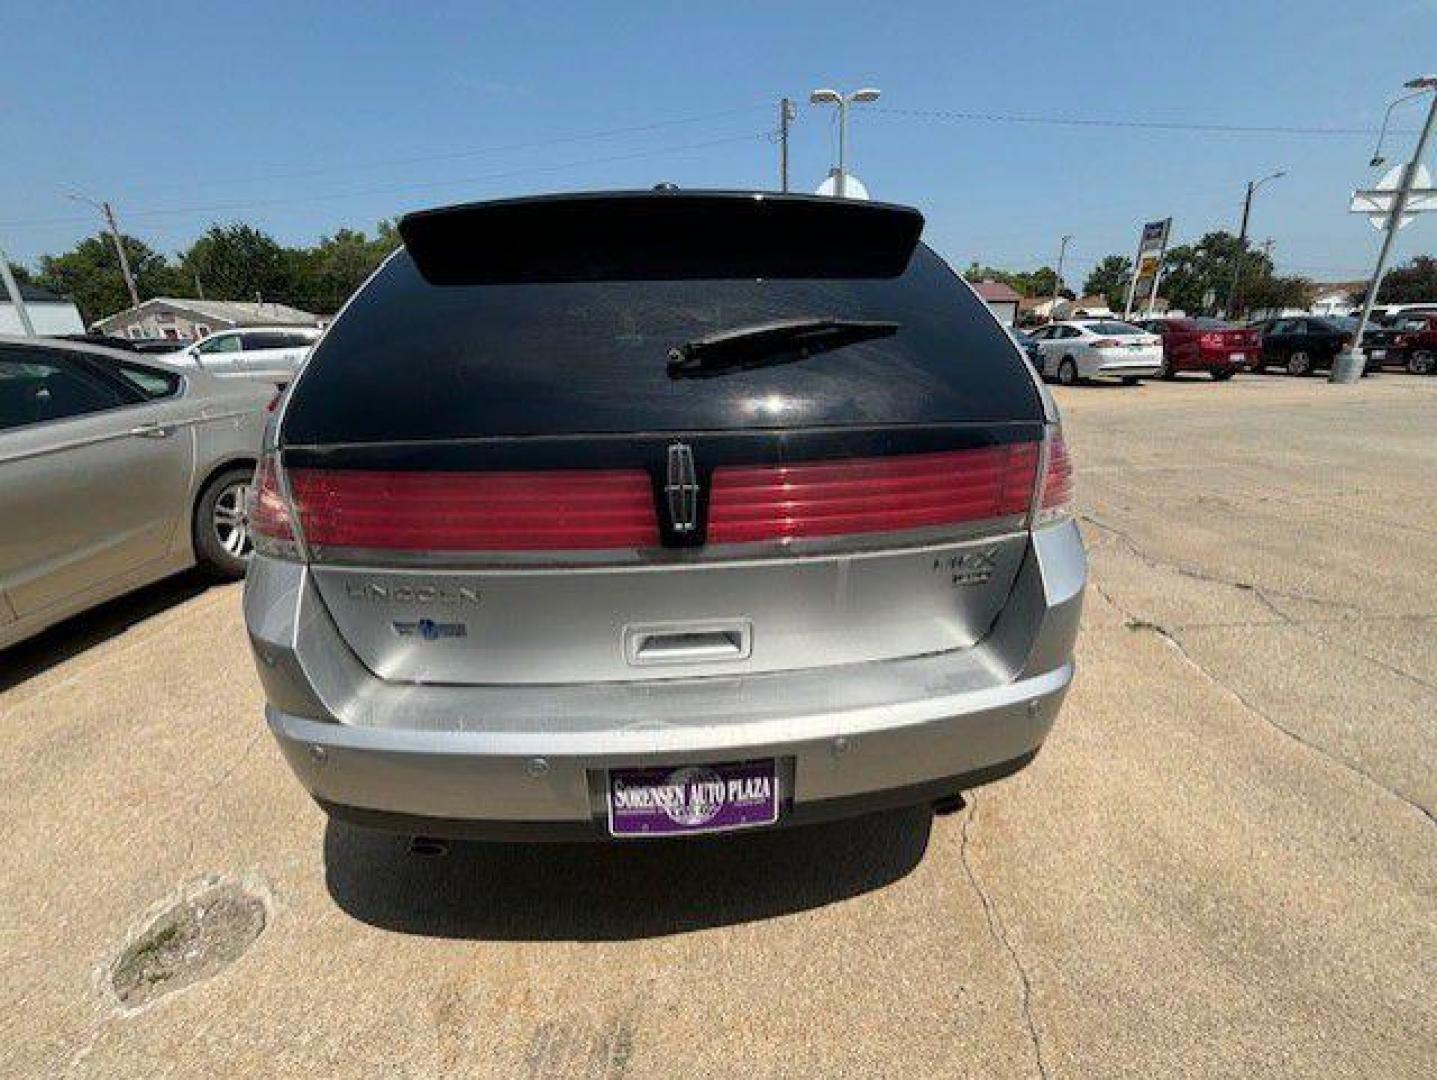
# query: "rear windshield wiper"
{"type": "Point", "coordinates": [780, 342]}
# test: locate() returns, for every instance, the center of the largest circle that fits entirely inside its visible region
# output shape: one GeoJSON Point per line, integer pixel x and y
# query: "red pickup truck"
{"type": "Point", "coordinates": [1203, 344]}
{"type": "Point", "coordinates": [1407, 340]}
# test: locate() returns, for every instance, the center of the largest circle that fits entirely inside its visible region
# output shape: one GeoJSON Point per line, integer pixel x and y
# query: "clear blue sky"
{"type": "Point", "coordinates": [303, 117]}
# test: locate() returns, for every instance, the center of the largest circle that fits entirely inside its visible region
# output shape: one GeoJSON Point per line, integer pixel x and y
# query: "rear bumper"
{"type": "Point", "coordinates": [1127, 370]}
{"type": "Point", "coordinates": [532, 762]}
{"type": "Point", "coordinates": [1122, 364]}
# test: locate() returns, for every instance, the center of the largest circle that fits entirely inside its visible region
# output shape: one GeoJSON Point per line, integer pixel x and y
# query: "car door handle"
{"type": "Point", "coordinates": [151, 431]}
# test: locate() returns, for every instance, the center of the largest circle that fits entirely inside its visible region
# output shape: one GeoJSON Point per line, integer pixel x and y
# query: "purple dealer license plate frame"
{"type": "Point", "coordinates": [690, 800]}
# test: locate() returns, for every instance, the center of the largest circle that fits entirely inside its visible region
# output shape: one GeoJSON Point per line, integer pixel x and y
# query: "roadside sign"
{"type": "Point", "coordinates": [1149, 262]}
{"type": "Point", "coordinates": [1377, 202]}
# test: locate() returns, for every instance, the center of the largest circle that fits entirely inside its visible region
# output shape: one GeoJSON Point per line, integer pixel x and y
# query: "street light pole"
{"type": "Point", "coordinates": [108, 213]}
{"type": "Point", "coordinates": [1347, 367]}
{"type": "Point", "coordinates": [843, 101]}
{"type": "Point", "coordinates": [1252, 186]}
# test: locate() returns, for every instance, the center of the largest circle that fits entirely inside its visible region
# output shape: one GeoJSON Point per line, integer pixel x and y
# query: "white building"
{"type": "Point", "coordinates": [49, 314]}
{"type": "Point", "coordinates": [1001, 299]}
{"type": "Point", "coordinates": [189, 320]}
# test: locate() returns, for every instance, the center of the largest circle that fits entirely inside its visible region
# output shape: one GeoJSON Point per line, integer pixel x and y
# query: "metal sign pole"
{"type": "Point", "coordinates": [1348, 366]}
{"type": "Point", "coordinates": [1133, 280]}
{"type": "Point", "coordinates": [13, 290]}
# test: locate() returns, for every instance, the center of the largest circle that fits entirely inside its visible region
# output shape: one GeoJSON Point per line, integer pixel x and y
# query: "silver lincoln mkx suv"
{"type": "Point", "coordinates": [646, 514]}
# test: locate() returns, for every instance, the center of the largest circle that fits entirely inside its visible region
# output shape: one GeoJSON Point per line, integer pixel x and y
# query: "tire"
{"type": "Point", "coordinates": [1221, 374]}
{"type": "Point", "coordinates": [1165, 370]}
{"type": "Point", "coordinates": [220, 527]}
{"type": "Point", "coordinates": [1130, 380]}
{"type": "Point", "coordinates": [1422, 362]}
{"type": "Point", "coordinates": [1299, 363]}
{"type": "Point", "coordinates": [1068, 372]}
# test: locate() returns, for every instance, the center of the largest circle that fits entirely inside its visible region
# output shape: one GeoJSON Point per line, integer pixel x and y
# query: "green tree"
{"type": "Point", "coordinates": [1190, 271]}
{"type": "Point", "coordinates": [327, 274]}
{"type": "Point", "coordinates": [1110, 278]}
{"type": "Point", "coordinates": [1410, 284]}
{"type": "Point", "coordinates": [1276, 292]}
{"type": "Point", "coordinates": [90, 275]}
{"type": "Point", "coordinates": [22, 274]}
{"type": "Point", "coordinates": [1037, 282]}
{"type": "Point", "coordinates": [239, 262]}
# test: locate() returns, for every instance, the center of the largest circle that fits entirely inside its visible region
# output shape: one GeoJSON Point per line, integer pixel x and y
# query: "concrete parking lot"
{"type": "Point", "coordinates": [1223, 863]}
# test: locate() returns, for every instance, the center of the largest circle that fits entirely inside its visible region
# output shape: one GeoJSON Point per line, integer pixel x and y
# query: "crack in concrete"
{"type": "Point", "coordinates": [200, 797]}
{"type": "Point", "coordinates": [1137, 623]}
{"type": "Point", "coordinates": [1215, 579]}
{"type": "Point", "coordinates": [1264, 594]}
{"type": "Point", "coordinates": [1000, 937]}
{"type": "Point", "coordinates": [1306, 627]}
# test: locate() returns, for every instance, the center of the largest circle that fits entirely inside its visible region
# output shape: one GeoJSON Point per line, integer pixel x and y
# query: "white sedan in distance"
{"type": "Point", "coordinates": [1088, 348]}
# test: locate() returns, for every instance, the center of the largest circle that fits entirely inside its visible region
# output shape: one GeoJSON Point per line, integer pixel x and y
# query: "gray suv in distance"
{"type": "Point", "coordinates": [645, 514]}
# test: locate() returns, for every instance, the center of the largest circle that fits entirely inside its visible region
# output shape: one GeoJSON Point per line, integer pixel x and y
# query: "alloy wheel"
{"type": "Point", "coordinates": [230, 519]}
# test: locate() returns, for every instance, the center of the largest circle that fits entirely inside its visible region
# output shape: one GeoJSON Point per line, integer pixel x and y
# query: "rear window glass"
{"type": "Point", "coordinates": [1113, 329]}
{"type": "Point", "coordinates": [1214, 324]}
{"type": "Point", "coordinates": [412, 361]}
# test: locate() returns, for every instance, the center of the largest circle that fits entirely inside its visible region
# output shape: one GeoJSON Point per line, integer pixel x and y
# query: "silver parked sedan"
{"type": "Point", "coordinates": [115, 470]}
{"type": "Point", "coordinates": [653, 514]}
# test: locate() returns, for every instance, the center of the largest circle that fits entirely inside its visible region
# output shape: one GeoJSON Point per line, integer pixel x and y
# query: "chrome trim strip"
{"type": "Point", "coordinates": [928, 539]}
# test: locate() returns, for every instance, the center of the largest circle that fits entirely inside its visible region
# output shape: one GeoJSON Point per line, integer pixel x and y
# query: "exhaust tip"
{"type": "Point", "coordinates": [428, 847]}
{"type": "Point", "coordinates": [949, 804]}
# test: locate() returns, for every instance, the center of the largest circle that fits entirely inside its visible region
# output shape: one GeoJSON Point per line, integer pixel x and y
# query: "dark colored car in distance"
{"type": "Point", "coordinates": [1408, 341]}
{"type": "Point", "coordinates": [1204, 344]}
{"type": "Point", "coordinates": [1301, 344]}
{"type": "Point", "coordinates": [1029, 346]}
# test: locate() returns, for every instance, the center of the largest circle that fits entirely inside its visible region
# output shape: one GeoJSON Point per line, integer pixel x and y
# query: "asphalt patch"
{"type": "Point", "coordinates": [191, 940]}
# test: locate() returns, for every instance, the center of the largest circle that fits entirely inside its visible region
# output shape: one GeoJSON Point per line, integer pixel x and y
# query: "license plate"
{"type": "Point", "coordinates": [1238, 357]}
{"type": "Point", "coordinates": [684, 800]}
{"type": "Point", "coordinates": [1377, 354]}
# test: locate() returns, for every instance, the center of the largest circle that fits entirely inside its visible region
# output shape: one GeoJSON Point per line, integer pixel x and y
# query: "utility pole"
{"type": "Point", "coordinates": [786, 115]}
{"type": "Point", "coordinates": [120, 251]}
{"type": "Point", "coordinates": [108, 213]}
{"type": "Point", "coordinates": [1252, 186]}
{"type": "Point", "coordinates": [1347, 367]}
{"type": "Point", "coordinates": [12, 289]}
{"type": "Point", "coordinates": [1058, 279]}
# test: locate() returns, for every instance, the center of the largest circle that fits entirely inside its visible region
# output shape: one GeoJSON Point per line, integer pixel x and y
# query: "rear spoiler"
{"type": "Point", "coordinates": [660, 235]}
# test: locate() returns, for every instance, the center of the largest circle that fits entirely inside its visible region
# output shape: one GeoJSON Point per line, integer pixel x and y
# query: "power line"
{"type": "Point", "coordinates": [222, 208]}
{"type": "Point", "coordinates": [459, 155]}
{"type": "Point", "coordinates": [1106, 122]}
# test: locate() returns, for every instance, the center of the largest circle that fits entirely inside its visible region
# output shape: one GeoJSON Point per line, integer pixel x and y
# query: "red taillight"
{"type": "Point", "coordinates": [1055, 497]}
{"type": "Point", "coordinates": [870, 495]}
{"type": "Point", "coordinates": [269, 521]}
{"type": "Point", "coordinates": [571, 509]}
{"type": "Point", "coordinates": [1210, 341]}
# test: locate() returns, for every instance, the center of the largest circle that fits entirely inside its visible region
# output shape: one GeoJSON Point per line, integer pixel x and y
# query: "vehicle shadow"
{"type": "Point", "coordinates": [616, 892]}
{"type": "Point", "coordinates": [85, 630]}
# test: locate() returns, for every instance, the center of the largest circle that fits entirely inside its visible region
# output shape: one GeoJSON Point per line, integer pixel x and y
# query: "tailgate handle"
{"type": "Point", "coordinates": [688, 643]}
